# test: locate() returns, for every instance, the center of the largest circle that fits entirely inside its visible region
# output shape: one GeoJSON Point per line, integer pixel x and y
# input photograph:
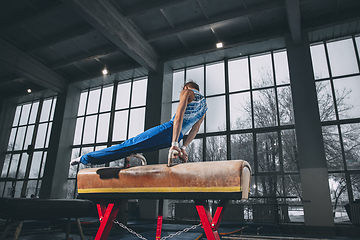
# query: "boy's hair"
{"type": "Point", "coordinates": [192, 84]}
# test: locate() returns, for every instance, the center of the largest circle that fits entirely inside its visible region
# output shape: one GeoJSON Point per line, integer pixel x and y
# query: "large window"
{"type": "Point", "coordinates": [24, 164]}
{"type": "Point", "coordinates": [336, 70]}
{"type": "Point", "coordinates": [250, 117]}
{"type": "Point", "coordinates": [107, 115]}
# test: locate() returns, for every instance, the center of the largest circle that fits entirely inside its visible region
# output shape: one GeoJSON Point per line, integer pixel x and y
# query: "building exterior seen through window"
{"type": "Point", "coordinates": [250, 117]}
{"type": "Point", "coordinates": [337, 76]}
{"type": "Point", "coordinates": [27, 149]}
{"type": "Point", "coordinates": [107, 115]}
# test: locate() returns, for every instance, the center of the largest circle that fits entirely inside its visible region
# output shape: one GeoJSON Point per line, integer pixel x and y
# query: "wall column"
{"type": "Point", "coordinates": [158, 111]}
{"type": "Point", "coordinates": [54, 183]}
{"type": "Point", "coordinates": [311, 153]}
{"type": "Point", "coordinates": [7, 113]}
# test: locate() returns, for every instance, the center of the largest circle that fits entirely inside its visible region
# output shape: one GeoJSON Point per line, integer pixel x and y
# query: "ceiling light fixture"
{"type": "Point", "coordinates": [104, 71]}
{"type": "Point", "coordinates": [29, 90]}
{"type": "Point", "coordinates": [219, 45]}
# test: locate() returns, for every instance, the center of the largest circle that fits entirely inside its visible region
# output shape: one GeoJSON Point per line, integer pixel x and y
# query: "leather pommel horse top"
{"type": "Point", "coordinates": [200, 180]}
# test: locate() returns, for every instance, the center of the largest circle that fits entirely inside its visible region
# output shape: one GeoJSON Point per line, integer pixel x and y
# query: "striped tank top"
{"type": "Point", "coordinates": [194, 112]}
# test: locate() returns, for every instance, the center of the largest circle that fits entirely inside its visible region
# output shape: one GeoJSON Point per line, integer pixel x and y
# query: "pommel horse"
{"type": "Point", "coordinates": [200, 181]}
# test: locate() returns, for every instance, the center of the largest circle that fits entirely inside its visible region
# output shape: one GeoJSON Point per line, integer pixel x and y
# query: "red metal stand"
{"type": "Point", "coordinates": [159, 219]}
{"type": "Point", "coordinates": [108, 212]}
{"type": "Point", "coordinates": [107, 215]}
{"type": "Point", "coordinates": [210, 224]}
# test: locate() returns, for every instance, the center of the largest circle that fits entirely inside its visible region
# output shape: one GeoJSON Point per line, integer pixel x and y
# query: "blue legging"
{"type": "Point", "coordinates": [153, 139]}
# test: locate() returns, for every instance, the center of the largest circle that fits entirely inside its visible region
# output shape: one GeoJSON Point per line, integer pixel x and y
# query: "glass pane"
{"type": "Point", "coordinates": [53, 109]}
{"type": "Point", "coordinates": [23, 164]}
{"type": "Point", "coordinates": [106, 98]}
{"type": "Point", "coordinates": [73, 169]}
{"type": "Point", "coordinates": [292, 184]}
{"type": "Point", "coordinates": [342, 57]}
{"type": "Point", "coordinates": [139, 93]}
{"type": "Point", "coordinates": [12, 139]}
{"type": "Point", "coordinates": [289, 150]}
{"type": "Point", "coordinates": [137, 121]}
{"type": "Point", "coordinates": [89, 130]}
{"type": "Point", "coordinates": [265, 110]}
{"type": "Point", "coordinates": [332, 148]}
{"type": "Point", "coordinates": [45, 111]}
{"type": "Point", "coordinates": [195, 150]}
{"type": "Point", "coordinates": [2, 185]}
{"type": "Point", "coordinates": [268, 152]}
{"type": "Point", "coordinates": [338, 190]}
{"type": "Point", "coordinates": [351, 140]}
{"type": "Point", "coordinates": [178, 83]}
{"type": "Point", "coordinates": [117, 163]}
{"type": "Point", "coordinates": [48, 135]}
{"type": "Point", "coordinates": [242, 148]}
{"type": "Point", "coordinates": [325, 101]}
{"type": "Point", "coordinates": [123, 95]}
{"type": "Point", "coordinates": [120, 125]}
{"type": "Point", "coordinates": [43, 165]}
{"type": "Point", "coordinates": [40, 138]}
{"type": "Point", "coordinates": [93, 102]}
{"type": "Point", "coordinates": [78, 130]}
{"type": "Point", "coordinates": [357, 40]}
{"type": "Point", "coordinates": [82, 103]}
{"type": "Point", "coordinates": [17, 116]}
{"type": "Point", "coordinates": [240, 111]}
{"type": "Point", "coordinates": [34, 111]}
{"type": "Point", "coordinates": [261, 71]}
{"type": "Point", "coordinates": [347, 93]}
{"type": "Point", "coordinates": [20, 137]}
{"type": "Point", "coordinates": [25, 114]}
{"type": "Point", "coordinates": [103, 128]}
{"type": "Point", "coordinates": [286, 111]}
{"type": "Point", "coordinates": [35, 165]}
{"type": "Point", "coordinates": [268, 186]}
{"type": "Point", "coordinates": [5, 167]}
{"type": "Point", "coordinates": [239, 75]}
{"type": "Point", "coordinates": [8, 190]}
{"type": "Point", "coordinates": [18, 188]}
{"type": "Point", "coordinates": [174, 108]}
{"type": "Point", "coordinates": [319, 62]}
{"type": "Point", "coordinates": [98, 148]}
{"type": "Point", "coordinates": [216, 148]}
{"type": "Point", "coordinates": [13, 166]}
{"type": "Point", "coordinates": [215, 79]}
{"type": "Point", "coordinates": [84, 151]}
{"type": "Point", "coordinates": [32, 189]}
{"type": "Point", "coordinates": [196, 75]}
{"type": "Point", "coordinates": [70, 189]}
{"type": "Point", "coordinates": [355, 184]}
{"type": "Point", "coordinates": [281, 68]}
{"type": "Point", "coordinates": [216, 114]}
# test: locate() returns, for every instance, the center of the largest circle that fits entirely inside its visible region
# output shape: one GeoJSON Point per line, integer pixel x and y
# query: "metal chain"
{"type": "Point", "coordinates": [128, 229]}
{"type": "Point", "coordinates": [180, 232]}
{"type": "Point", "coordinates": [163, 238]}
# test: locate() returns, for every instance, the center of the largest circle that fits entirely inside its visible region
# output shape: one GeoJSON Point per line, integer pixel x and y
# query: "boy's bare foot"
{"type": "Point", "coordinates": [75, 161]}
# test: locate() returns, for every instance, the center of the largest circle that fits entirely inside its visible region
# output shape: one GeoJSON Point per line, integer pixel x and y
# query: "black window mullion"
{"type": "Point", "coordinates": [129, 109]}
{"type": "Point", "coordinates": [31, 152]}
{"type": "Point", "coordinates": [98, 116]}
{"type": "Point", "coordinates": [256, 168]}
{"type": "Point", "coordinates": [84, 122]}
{"type": "Point", "coordinates": [112, 114]}
{"type": "Point", "coordinates": [205, 122]}
{"type": "Point", "coordinates": [227, 106]}
{"type": "Point", "coordinates": [356, 52]}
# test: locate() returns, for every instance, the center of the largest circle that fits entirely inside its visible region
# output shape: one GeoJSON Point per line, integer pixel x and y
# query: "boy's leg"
{"type": "Point", "coordinates": [155, 138]}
